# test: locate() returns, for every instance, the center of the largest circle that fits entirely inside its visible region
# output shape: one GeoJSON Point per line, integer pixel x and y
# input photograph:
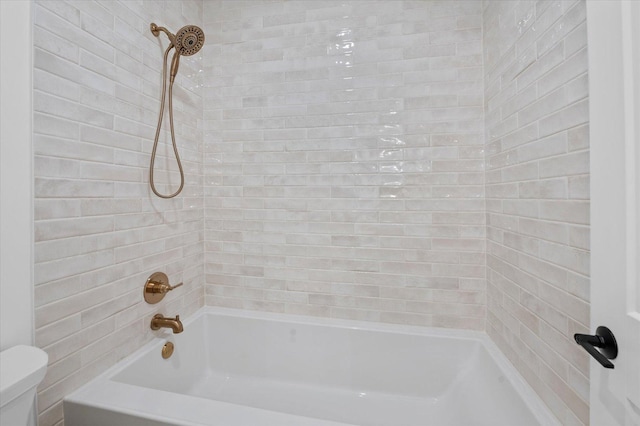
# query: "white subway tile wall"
{"type": "Point", "coordinates": [344, 159]}
{"type": "Point", "coordinates": [372, 160]}
{"type": "Point", "coordinates": [99, 233]}
{"type": "Point", "coordinates": [537, 194]}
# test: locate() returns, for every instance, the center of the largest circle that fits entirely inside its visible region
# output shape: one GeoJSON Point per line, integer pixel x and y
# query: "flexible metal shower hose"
{"type": "Point", "coordinates": [173, 136]}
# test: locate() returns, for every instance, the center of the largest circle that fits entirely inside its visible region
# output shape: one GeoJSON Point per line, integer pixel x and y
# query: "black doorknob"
{"type": "Point", "coordinates": [603, 339]}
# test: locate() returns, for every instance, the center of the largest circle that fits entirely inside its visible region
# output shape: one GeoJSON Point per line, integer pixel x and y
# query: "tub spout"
{"type": "Point", "coordinates": [159, 321]}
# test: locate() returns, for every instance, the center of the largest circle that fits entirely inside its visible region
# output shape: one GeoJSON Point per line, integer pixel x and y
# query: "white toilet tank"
{"type": "Point", "coordinates": [22, 368]}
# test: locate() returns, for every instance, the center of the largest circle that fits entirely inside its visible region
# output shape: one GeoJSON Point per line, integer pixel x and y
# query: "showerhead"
{"type": "Point", "coordinates": [189, 40]}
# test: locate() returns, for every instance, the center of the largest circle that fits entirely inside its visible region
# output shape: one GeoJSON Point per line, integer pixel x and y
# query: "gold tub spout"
{"type": "Point", "coordinates": [159, 321]}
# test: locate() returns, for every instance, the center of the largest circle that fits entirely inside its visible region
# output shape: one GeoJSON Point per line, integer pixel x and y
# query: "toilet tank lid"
{"type": "Point", "coordinates": [21, 368]}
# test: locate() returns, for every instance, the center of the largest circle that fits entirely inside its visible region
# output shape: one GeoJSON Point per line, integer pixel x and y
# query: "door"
{"type": "Point", "coordinates": [614, 90]}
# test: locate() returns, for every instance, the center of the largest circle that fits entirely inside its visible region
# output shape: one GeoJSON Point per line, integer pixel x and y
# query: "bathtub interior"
{"type": "Point", "coordinates": [341, 374]}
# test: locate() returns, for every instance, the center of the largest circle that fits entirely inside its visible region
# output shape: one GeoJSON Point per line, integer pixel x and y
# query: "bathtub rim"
{"type": "Point", "coordinates": [538, 408]}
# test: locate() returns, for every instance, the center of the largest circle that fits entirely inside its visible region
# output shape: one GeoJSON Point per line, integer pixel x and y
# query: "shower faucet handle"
{"type": "Point", "coordinates": [157, 286]}
{"type": "Point", "coordinates": [161, 287]}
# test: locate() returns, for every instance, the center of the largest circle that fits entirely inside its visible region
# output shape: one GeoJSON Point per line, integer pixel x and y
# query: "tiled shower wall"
{"type": "Point", "coordinates": [99, 233]}
{"type": "Point", "coordinates": [537, 184]}
{"type": "Point", "coordinates": [344, 165]}
{"type": "Point", "coordinates": [339, 171]}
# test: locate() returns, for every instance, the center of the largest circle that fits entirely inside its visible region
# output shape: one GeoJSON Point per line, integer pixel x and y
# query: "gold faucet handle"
{"type": "Point", "coordinates": [157, 286]}
{"type": "Point", "coordinates": [162, 287]}
{"type": "Point", "coordinates": [175, 286]}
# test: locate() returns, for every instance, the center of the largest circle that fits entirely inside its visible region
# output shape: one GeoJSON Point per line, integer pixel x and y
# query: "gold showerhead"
{"type": "Point", "coordinates": [189, 40]}
{"type": "Point", "coordinates": [186, 42]}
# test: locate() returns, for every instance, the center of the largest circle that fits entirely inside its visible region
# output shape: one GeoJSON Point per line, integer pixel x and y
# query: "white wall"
{"type": "Point", "coordinates": [344, 159]}
{"type": "Point", "coordinates": [99, 231]}
{"type": "Point", "coordinates": [16, 242]}
{"type": "Point", "coordinates": [537, 150]}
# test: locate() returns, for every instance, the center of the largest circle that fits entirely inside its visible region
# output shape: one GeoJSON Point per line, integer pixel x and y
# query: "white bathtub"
{"type": "Point", "coordinates": [257, 369]}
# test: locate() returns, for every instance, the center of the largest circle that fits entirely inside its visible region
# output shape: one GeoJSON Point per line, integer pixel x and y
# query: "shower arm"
{"type": "Point", "coordinates": [155, 30]}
